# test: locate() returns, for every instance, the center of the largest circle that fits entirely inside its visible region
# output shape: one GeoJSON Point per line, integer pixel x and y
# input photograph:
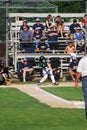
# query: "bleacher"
{"type": "Point", "coordinates": [14, 42]}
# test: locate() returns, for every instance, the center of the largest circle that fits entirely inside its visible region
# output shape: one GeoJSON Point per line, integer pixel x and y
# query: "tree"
{"type": "Point", "coordinates": [70, 7]}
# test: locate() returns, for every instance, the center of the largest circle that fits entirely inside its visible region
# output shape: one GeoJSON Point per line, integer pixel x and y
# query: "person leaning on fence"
{"type": "Point", "coordinates": [46, 70]}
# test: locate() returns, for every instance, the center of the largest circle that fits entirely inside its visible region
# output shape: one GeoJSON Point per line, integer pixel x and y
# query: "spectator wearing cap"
{"type": "Point", "coordinates": [38, 25]}
{"type": "Point", "coordinates": [37, 37]}
{"type": "Point", "coordinates": [73, 26]}
{"type": "Point", "coordinates": [53, 38]}
{"type": "Point", "coordinates": [26, 67]}
{"type": "Point", "coordinates": [79, 39]}
{"type": "Point", "coordinates": [40, 41]}
{"type": "Point", "coordinates": [73, 67]}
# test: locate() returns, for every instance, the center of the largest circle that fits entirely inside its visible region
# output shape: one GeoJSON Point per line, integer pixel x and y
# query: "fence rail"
{"type": "Point", "coordinates": [44, 15]}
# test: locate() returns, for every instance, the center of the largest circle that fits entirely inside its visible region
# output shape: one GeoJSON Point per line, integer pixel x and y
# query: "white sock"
{"type": "Point", "coordinates": [24, 80]}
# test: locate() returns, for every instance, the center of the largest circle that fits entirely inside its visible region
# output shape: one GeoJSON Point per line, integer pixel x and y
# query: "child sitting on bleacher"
{"type": "Point", "coordinates": [37, 37]}
{"type": "Point", "coordinates": [70, 48]}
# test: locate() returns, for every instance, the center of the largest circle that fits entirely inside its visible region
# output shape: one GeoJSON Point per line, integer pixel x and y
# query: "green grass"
{"type": "Point", "coordinates": [19, 111]}
{"type": "Point", "coordinates": [69, 93]}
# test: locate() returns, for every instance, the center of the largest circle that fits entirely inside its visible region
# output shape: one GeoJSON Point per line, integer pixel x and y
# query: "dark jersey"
{"type": "Point", "coordinates": [43, 64]}
{"type": "Point", "coordinates": [53, 37]}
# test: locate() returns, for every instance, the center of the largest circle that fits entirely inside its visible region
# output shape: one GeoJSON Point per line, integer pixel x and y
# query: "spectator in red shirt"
{"type": "Point", "coordinates": [84, 21]}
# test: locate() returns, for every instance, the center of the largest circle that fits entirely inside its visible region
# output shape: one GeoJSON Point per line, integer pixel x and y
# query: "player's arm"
{"type": "Point", "coordinates": [78, 74]}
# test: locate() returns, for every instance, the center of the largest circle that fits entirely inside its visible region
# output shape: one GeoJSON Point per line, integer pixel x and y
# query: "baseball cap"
{"type": "Point", "coordinates": [24, 20]}
{"type": "Point", "coordinates": [42, 58]}
{"type": "Point", "coordinates": [52, 26]}
{"type": "Point", "coordinates": [25, 59]}
{"type": "Point", "coordinates": [74, 58]}
{"type": "Point", "coordinates": [37, 19]}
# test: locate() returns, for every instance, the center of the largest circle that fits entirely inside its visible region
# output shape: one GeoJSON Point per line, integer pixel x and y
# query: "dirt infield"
{"type": "Point", "coordinates": [48, 98]}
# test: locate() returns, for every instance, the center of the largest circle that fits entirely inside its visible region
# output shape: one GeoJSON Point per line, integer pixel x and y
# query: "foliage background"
{"type": "Point", "coordinates": [63, 7]}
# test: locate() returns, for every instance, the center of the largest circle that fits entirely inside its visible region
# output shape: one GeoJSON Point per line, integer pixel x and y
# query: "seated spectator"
{"type": "Point", "coordinates": [37, 37]}
{"type": "Point", "coordinates": [55, 64]}
{"type": "Point", "coordinates": [38, 25]}
{"type": "Point", "coordinates": [70, 49]}
{"type": "Point", "coordinates": [4, 74]}
{"type": "Point", "coordinates": [73, 26]}
{"type": "Point", "coordinates": [53, 38]}
{"type": "Point", "coordinates": [72, 38]}
{"type": "Point", "coordinates": [60, 25]}
{"type": "Point", "coordinates": [79, 39]}
{"type": "Point", "coordinates": [73, 55]}
{"type": "Point", "coordinates": [26, 67]}
{"type": "Point", "coordinates": [24, 24]}
{"type": "Point", "coordinates": [73, 67]}
{"type": "Point", "coordinates": [84, 21]}
{"type": "Point", "coordinates": [26, 40]}
{"type": "Point", "coordinates": [48, 22]}
{"type": "Point", "coordinates": [46, 70]}
{"type": "Point", "coordinates": [66, 32]}
{"type": "Point", "coordinates": [42, 46]}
